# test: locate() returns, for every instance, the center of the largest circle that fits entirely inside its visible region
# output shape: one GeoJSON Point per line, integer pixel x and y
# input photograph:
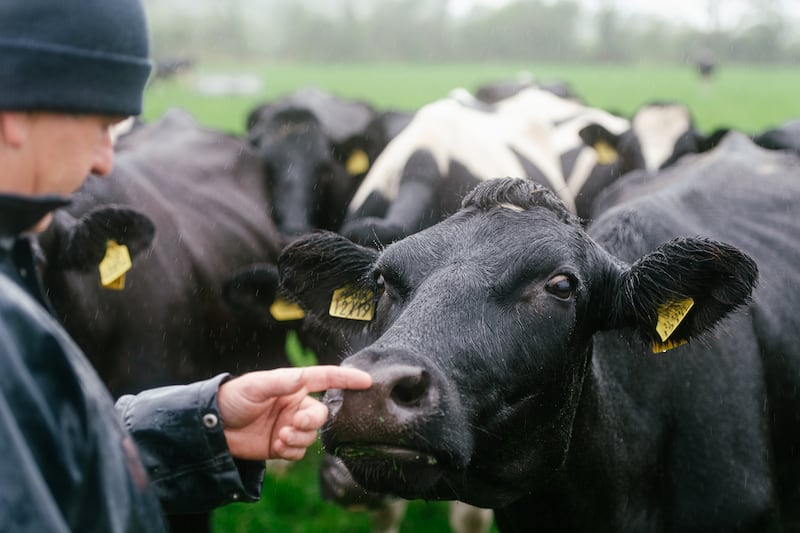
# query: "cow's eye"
{"type": "Point", "coordinates": [560, 286]}
{"type": "Point", "coordinates": [385, 287]}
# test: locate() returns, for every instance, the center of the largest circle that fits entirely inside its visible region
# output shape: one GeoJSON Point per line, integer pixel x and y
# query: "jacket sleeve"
{"type": "Point", "coordinates": [179, 434]}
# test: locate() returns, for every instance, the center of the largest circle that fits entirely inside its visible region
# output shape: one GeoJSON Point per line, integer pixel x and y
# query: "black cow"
{"type": "Point", "coordinates": [199, 196]}
{"type": "Point", "coordinates": [657, 130]}
{"type": "Point", "coordinates": [448, 147]}
{"type": "Point", "coordinates": [205, 195]}
{"type": "Point", "coordinates": [512, 353]}
{"type": "Point", "coordinates": [316, 148]}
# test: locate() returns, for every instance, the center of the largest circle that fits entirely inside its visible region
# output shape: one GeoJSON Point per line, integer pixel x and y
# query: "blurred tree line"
{"type": "Point", "coordinates": [426, 30]}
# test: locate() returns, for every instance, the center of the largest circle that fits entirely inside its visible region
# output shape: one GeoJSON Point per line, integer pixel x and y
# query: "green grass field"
{"type": "Point", "coordinates": [746, 98]}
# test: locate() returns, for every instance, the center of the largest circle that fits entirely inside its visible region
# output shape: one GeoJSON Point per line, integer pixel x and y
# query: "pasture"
{"type": "Point", "coordinates": [745, 98]}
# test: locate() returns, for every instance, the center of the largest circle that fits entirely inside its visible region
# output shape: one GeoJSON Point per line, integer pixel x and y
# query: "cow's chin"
{"type": "Point", "coordinates": [392, 469]}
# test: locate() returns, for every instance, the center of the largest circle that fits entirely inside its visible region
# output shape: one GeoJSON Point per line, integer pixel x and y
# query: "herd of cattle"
{"type": "Point", "coordinates": [504, 262]}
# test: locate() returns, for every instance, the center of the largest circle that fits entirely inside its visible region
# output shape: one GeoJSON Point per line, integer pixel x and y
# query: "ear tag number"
{"type": "Point", "coordinates": [352, 304]}
{"type": "Point", "coordinates": [357, 163]}
{"type": "Point", "coordinates": [606, 154]}
{"type": "Point", "coordinates": [115, 264]}
{"type": "Point", "coordinates": [283, 310]}
{"type": "Point", "coordinates": [670, 315]}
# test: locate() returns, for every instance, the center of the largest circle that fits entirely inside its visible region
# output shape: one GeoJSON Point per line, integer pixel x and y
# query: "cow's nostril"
{"type": "Point", "coordinates": [410, 391]}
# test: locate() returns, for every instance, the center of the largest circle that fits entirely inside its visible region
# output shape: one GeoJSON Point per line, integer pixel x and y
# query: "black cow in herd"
{"type": "Point", "coordinates": [512, 352]}
{"type": "Point", "coordinates": [205, 196]}
{"type": "Point", "coordinates": [316, 148]}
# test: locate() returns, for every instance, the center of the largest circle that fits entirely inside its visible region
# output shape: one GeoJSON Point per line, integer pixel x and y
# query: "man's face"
{"type": "Point", "coordinates": [65, 149]}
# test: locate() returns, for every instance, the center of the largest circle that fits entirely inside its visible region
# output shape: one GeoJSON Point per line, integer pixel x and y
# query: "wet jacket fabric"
{"type": "Point", "coordinates": [71, 460]}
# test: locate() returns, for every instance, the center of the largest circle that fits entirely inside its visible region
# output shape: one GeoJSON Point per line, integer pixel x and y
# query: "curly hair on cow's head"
{"type": "Point", "coordinates": [517, 192]}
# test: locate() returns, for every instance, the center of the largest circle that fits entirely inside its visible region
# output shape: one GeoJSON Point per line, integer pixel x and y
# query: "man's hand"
{"type": "Point", "coordinates": [270, 415]}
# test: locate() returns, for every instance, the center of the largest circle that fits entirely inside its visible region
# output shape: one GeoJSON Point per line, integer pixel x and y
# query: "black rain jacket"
{"type": "Point", "coordinates": [71, 460]}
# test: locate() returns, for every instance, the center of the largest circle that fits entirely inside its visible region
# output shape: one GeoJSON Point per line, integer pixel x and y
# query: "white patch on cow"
{"type": "Point", "coordinates": [538, 105]}
{"type": "Point", "coordinates": [476, 139]}
{"type": "Point", "coordinates": [581, 169]}
{"type": "Point", "coordinates": [567, 118]}
{"type": "Point", "coordinates": [658, 128]}
{"type": "Point", "coordinates": [463, 96]}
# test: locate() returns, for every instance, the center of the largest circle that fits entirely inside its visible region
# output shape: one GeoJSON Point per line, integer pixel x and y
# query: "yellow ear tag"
{"type": "Point", "coordinates": [284, 310]}
{"type": "Point", "coordinates": [352, 305]}
{"type": "Point", "coordinates": [357, 163]}
{"type": "Point", "coordinates": [606, 154]}
{"type": "Point", "coordinates": [670, 315]}
{"type": "Point", "coordinates": [114, 265]}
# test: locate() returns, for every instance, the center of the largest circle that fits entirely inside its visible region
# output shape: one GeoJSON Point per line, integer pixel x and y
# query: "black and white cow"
{"type": "Point", "coordinates": [316, 148]}
{"type": "Point", "coordinates": [512, 352]}
{"type": "Point", "coordinates": [448, 147]}
{"type": "Point", "coordinates": [660, 133]}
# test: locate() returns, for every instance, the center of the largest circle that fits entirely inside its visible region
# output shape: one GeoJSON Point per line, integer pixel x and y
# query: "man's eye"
{"type": "Point", "coordinates": [561, 286]}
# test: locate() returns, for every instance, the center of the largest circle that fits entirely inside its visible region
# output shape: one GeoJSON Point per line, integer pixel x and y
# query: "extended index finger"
{"type": "Point", "coordinates": [283, 381]}
{"type": "Point", "coordinates": [320, 378]}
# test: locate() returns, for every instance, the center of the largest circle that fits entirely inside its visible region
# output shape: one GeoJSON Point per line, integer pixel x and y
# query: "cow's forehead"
{"type": "Point", "coordinates": [491, 240]}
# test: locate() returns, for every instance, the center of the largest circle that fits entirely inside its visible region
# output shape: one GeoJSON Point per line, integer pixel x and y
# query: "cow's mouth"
{"type": "Point", "coordinates": [390, 469]}
{"type": "Point", "coordinates": [385, 452]}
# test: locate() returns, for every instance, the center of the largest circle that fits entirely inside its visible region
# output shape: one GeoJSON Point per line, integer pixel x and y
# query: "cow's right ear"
{"type": "Point", "coordinates": [316, 267]}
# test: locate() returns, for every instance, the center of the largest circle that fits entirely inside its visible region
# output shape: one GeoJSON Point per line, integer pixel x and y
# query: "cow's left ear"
{"type": "Point", "coordinates": [683, 289]}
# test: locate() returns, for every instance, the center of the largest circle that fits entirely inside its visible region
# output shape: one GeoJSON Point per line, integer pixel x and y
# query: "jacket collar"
{"type": "Point", "coordinates": [21, 213]}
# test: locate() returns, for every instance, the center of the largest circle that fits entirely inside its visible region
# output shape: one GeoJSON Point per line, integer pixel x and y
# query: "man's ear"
{"type": "Point", "coordinates": [13, 127]}
{"type": "Point", "coordinates": [682, 289]}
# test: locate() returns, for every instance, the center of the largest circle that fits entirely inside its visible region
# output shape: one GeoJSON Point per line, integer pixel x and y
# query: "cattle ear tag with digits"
{"type": "Point", "coordinates": [357, 163]}
{"type": "Point", "coordinates": [283, 310]}
{"type": "Point", "coordinates": [115, 264]}
{"type": "Point", "coordinates": [606, 154]}
{"type": "Point", "coordinates": [670, 315]}
{"type": "Point", "coordinates": [352, 304]}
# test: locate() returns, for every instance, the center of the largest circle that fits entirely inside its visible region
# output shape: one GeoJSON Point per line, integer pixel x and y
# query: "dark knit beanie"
{"type": "Point", "coordinates": [77, 56]}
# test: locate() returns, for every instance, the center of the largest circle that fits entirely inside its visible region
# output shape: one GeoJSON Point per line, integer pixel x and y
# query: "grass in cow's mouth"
{"type": "Point", "coordinates": [382, 451]}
